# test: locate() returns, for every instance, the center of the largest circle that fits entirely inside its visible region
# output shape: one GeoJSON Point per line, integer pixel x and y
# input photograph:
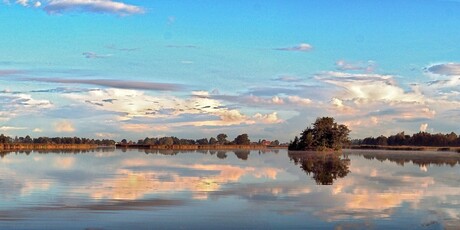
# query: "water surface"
{"type": "Point", "coordinates": [134, 189]}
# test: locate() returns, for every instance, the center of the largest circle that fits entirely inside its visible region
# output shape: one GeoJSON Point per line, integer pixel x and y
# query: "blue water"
{"type": "Point", "coordinates": [114, 189]}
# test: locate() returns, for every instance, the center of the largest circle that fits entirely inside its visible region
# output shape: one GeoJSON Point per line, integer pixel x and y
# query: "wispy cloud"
{"type": "Point", "coordinates": [344, 65]}
{"type": "Point", "coordinates": [16, 104]}
{"type": "Point", "coordinates": [182, 46]}
{"type": "Point", "coordinates": [25, 3]}
{"type": "Point", "coordinates": [113, 47]}
{"type": "Point", "coordinates": [139, 85]}
{"type": "Point", "coordinates": [447, 69]}
{"type": "Point", "coordinates": [303, 47]}
{"type": "Point", "coordinates": [287, 78]}
{"type": "Point", "coordinates": [9, 128]}
{"type": "Point", "coordinates": [9, 72]}
{"type": "Point", "coordinates": [91, 55]}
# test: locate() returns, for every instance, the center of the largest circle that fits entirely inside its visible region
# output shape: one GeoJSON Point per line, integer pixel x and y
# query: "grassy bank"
{"type": "Point", "coordinates": [22, 146]}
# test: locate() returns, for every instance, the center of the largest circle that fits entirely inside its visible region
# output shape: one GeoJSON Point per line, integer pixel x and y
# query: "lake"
{"type": "Point", "coordinates": [273, 189]}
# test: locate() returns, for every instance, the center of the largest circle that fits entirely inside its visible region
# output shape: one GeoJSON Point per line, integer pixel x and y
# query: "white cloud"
{"type": "Point", "coordinates": [274, 101]}
{"type": "Point", "coordinates": [95, 6]}
{"type": "Point", "coordinates": [344, 65]}
{"type": "Point", "coordinates": [106, 135]}
{"type": "Point", "coordinates": [277, 100]}
{"type": "Point", "coordinates": [339, 105]}
{"type": "Point", "coordinates": [373, 100]}
{"type": "Point", "coordinates": [10, 128]}
{"type": "Point", "coordinates": [37, 130]}
{"type": "Point", "coordinates": [296, 100]}
{"type": "Point", "coordinates": [302, 47]}
{"type": "Point", "coordinates": [268, 118]}
{"type": "Point", "coordinates": [423, 127]}
{"type": "Point", "coordinates": [23, 2]}
{"type": "Point", "coordinates": [13, 105]}
{"type": "Point", "coordinates": [362, 88]}
{"type": "Point", "coordinates": [64, 126]}
{"type": "Point", "coordinates": [199, 109]}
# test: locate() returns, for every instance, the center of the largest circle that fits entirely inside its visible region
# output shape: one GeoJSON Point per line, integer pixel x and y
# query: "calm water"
{"type": "Point", "coordinates": [112, 189]}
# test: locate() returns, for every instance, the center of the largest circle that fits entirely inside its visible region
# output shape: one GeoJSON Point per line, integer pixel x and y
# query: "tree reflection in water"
{"type": "Point", "coordinates": [242, 154]}
{"type": "Point", "coordinates": [325, 167]}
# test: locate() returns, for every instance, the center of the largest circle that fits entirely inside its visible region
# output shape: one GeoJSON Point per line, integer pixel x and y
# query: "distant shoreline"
{"type": "Point", "coordinates": [196, 147]}
{"type": "Point", "coordinates": [407, 148]}
{"type": "Point", "coordinates": [24, 146]}
{"type": "Point", "coordinates": [33, 146]}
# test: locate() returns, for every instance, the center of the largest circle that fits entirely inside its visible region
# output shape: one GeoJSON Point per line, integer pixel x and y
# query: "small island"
{"type": "Point", "coordinates": [325, 135]}
{"type": "Point", "coordinates": [219, 142]}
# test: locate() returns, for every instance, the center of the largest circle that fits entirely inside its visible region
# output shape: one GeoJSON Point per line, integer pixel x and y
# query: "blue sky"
{"type": "Point", "coordinates": [131, 69]}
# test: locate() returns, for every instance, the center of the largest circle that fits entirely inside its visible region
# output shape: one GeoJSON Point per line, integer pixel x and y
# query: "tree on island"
{"type": "Point", "coordinates": [203, 141]}
{"type": "Point", "coordinates": [325, 135]}
{"type": "Point", "coordinates": [222, 138]}
{"type": "Point", "coordinates": [212, 141]}
{"type": "Point", "coordinates": [242, 139]}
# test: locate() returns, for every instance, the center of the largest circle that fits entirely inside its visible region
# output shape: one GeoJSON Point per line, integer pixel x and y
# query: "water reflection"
{"type": "Point", "coordinates": [325, 167]}
{"type": "Point", "coordinates": [221, 154]}
{"type": "Point", "coordinates": [58, 151]}
{"type": "Point", "coordinates": [205, 188]}
{"type": "Point", "coordinates": [422, 159]}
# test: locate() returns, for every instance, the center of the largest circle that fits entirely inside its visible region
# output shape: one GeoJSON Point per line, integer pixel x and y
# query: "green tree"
{"type": "Point", "coordinates": [294, 145]}
{"type": "Point", "coordinates": [242, 139]}
{"type": "Point", "coordinates": [203, 141]}
{"type": "Point", "coordinates": [166, 141]}
{"type": "Point", "coordinates": [325, 134]}
{"type": "Point", "coordinates": [4, 139]}
{"type": "Point", "coordinates": [222, 138]}
{"type": "Point", "coordinates": [28, 140]}
{"type": "Point", "coordinates": [212, 141]}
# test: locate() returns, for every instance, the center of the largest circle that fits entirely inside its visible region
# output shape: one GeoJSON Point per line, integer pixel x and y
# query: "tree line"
{"type": "Point", "coordinates": [54, 140]}
{"type": "Point", "coordinates": [417, 139]}
{"type": "Point", "coordinates": [220, 139]}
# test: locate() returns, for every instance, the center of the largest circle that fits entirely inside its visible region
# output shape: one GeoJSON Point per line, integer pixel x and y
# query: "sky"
{"type": "Point", "coordinates": [134, 69]}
